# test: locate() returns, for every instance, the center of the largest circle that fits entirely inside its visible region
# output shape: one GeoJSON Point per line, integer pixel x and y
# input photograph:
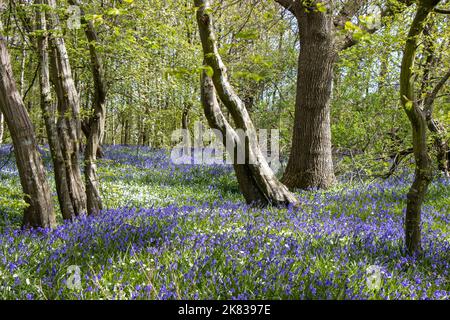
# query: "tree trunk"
{"type": "Point", "coordinates": [68, 121]}
{"type": "Point", "coordinates": [440, 143]}
{"type": "Point", "coordinates": [438, 129]}
{"type": "Point", "coordinates": [1, 127]}
{"type": "Point", "coordinates": [126, 139]}
{"type": "Point", "coordinates": [185, 117]}
{"type": "Point", "coordinates": [417, 117]}
{"type": "Point", "coordinates": [256, 180]}
{"type": "Point", "coordinates": [96, 123]}
{"type": "Point", "coordinates": [311, 163]}
{"type": "Point", "coordinates": [37, 192]}
{"type": "Point", "coordinates": [49, 113]}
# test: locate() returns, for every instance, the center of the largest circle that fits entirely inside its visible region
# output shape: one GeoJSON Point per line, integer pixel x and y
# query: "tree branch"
{"type": "Point", "coordinates": [349, 40]}
{"type": "Point", "coordinates": [429, 100]}
{"type": "Point", "coordinates": [290, 5]}
{"type": "Point", "coordinates": [442, 11]}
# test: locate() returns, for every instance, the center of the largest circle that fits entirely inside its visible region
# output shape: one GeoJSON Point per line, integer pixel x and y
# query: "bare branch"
{"type": "Point", "coordinates": [290, 5]}
{"type": "Point", "coordinates": [442, 11]}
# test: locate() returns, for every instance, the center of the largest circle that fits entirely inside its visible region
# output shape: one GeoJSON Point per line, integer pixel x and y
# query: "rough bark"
{"type": "Point", "coordinates": [96, 123]}
{"type": "Point", "coordinates": [49, 112]}
{"type": "Point", "coordinates": [311, 163]}
{"type": "Point", "coordinates": [39, 212]}
{"type": "Point", "coordinates": [256, 180]}
{"type": "Point", "coordinates": [417, 117]}
{"type": "Point", "coordinates": [68, 118]}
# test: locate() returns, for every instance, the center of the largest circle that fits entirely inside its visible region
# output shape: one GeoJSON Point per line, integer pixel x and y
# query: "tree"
{"type": "Point", "coordinates": [96, 123]}
{"type": "Point", "coordinates": [256, 180]}
{"type": "Point", "coordinates": [2, 119]}
{"type": "Point", "coordinates": [311, 160]}
{"type": "Point", "coordinates": [430, 94]}
{"type": "Point", "coordinates": [39, 212]}
{"type": "Point", "coordinates": [68, 113]}
{"type": "Point", "coordinates": [417, 117]}
{"type": "Point", "coordinates": [49, 113]}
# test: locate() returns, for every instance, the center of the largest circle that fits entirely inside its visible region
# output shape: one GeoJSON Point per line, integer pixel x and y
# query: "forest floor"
{"type": "Point", "coordinates": [183, 232]}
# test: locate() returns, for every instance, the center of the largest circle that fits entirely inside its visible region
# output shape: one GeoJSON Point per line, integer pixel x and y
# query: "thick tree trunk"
{"type": "Point", "coordinates": [68, 121]}
{"type": "Point", "coordinates": [256, 180]}
{"type": "Point", "coordinates": [37, 192]}
{"type": "Point", "coordinates": [311, 164]}
{"type": "Point", "coordinates": [417, 117]}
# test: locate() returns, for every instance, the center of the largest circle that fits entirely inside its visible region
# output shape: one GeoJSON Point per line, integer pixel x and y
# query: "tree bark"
{"type": "Point", "coordinates": [417, 117]}
{"type": "Point", "coordinates": [311, 163]}
{"type": "Point", "coordinates": [49, 112]}
{"type": "Point", "coordinates": [68, 118]}
{"type": "Point", "coordinates": [437, 128]}
{"type": "Point", "coordinates": [185, 116]}
{"type": "Point", "coordinates": [256, 180]}
{"type": "Point", "coordinates": [2, 130]}
{"type": "Point", "coordinates": [96, 123]}
{"type": "Point", "coordinates": [39, 212]}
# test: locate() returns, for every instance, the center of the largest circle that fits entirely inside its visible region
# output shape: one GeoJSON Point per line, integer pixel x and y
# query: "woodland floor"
{"type": "Point", "coordinates": [183, 232]}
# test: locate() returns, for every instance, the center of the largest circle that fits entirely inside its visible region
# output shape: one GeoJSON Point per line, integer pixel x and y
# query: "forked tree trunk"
{"type": "Point", "coordinates": [96, 123]}
{"type": "Point", "coordinates": [256, 179]}
{"type": "Point", "coordinates": [39, 212]}
{"type": "Point", "coordinates": [49, 112]}
{"type": "Point", "coordinates": [311, 163]}
{"type": "Point", "coordinates": [417, 117]}
{"type": "Point", "coordinates": [68, 118]}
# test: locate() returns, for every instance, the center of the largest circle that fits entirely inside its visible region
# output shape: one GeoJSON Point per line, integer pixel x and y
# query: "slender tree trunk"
{"type": "Point", "coordinates": [37, 192]}
{"type": "Point", "coordinates": [126, 139]}
{"type": "Point", "coordinates": [256, 180]}
{"type": "Point", "coordinates": [311, 163]}
{"type": "Point", "coordinates": [185, 117]}
{"type": "Point", "coordinates": [2, 119]}
{"type": "Point", "coordinates": [438, 129]}
{"type": "Point", "coordinates": [441, 146]}
{"type": "Point", "coordinates": [417, 117]}
{"type": "Point", "coordinates": [68, 118]}
{"type": "Point", "coordinates": [22, 71]}
{"type": "Point", "coordinates": [96, 123]}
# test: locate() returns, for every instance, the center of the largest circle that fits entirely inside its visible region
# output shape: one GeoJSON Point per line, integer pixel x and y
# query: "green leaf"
{"type": "Point", "coordinates": [113, 12]}
{"type": "Point", "coordinates": [247, 35]}
{"type": "Point", "coordinates": [321, 7]}
{"type": "Point", "coordinates": [409, 105]}
{"type": "Point", "coordinates": [208, 70]}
